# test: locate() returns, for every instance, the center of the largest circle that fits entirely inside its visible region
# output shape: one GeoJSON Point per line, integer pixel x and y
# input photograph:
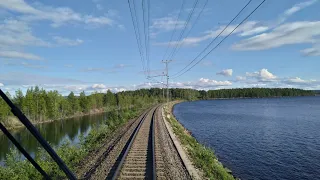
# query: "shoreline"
{"type": "Point", "coordinates": [226, 173]}
{"type": "Point", "coordinates": [256, 97]}
{"type": "Point", "coordinates": [20, 126]}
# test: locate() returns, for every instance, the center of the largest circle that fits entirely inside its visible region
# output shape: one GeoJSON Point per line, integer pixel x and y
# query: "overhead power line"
{"type": "Point", "coordinates": [222, 40]}
{"type": "Point", "coordinates": [175, 27]}
{"type": "Point", "coordinates": [213, 39]}
{"type": "Point", "coordinates": [195, 22]}
{"type": "Point", "coordinates": [148, 45]}
{"type": "Point", "coordinates": [137, 33]}
{"type": "Point", "coordinates": [143, 4]}
{"type": "Point", "coordinates": [184, 28]}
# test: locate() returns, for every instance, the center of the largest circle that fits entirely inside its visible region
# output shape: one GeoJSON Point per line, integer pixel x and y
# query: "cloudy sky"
{"type": "Point", "coordinates": [91, 45]}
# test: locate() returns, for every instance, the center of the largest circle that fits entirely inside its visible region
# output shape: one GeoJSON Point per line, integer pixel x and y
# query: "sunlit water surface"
{"type": "Point", "coordinates": [270, 138]}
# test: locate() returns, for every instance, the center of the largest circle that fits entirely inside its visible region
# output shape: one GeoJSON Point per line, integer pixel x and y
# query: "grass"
{"type": "Point", "coordinates": [202, 157]}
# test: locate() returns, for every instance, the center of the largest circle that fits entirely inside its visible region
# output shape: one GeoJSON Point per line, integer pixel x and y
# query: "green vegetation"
{"type": "Point", "coordinates": [40, 105]}
{"type": "Point", "coordinates": [17, 168]}
{"type": "Point", "coordinates": [258, 92]}
{"type": "Point", "coordinates": [190, 94]}
{"type": "Point", "coordinates": [202, 157]}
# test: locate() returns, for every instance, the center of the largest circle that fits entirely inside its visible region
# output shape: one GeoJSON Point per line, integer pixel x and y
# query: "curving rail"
{"type": "Point", "coordinates": [137, 159]}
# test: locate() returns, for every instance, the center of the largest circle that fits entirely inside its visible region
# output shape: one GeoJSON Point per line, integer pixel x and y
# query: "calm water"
{"type": "Point", "coordinates": [272, 138]}
{"type": "Point", "coordinates": [55, 133]}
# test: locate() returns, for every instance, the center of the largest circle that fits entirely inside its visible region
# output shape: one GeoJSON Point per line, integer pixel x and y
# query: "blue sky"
{"type": "Point", "coordinates": [91, 46]}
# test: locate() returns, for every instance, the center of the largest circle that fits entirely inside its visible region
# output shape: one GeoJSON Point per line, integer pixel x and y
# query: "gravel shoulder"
{"type": "Point", "coordinates": [174, 167]}
{"type": "Point", "coordinates": [97, 162]}
{"type": "Point", "coordinates": [198, 159]}
{"type": "Point", "coordinates": [100, 163]}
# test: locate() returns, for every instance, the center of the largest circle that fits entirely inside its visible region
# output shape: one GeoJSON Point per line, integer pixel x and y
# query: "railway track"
{"type": "Point", "coordinates": [138, 157]}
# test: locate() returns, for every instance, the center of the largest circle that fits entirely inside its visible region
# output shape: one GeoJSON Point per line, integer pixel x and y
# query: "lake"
{"type": "Point", "coordinates": [54, 132]}
{"type": "Point", "coordinates": [267, 138]}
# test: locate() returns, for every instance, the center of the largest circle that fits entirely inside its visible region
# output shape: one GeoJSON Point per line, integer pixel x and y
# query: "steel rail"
{"type": "Point", "coordinates": [154, 171]}
{"type": "Point", "coordinates": [129, 146]}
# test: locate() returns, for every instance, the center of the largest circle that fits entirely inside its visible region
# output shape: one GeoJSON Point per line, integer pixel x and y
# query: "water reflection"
{"type": "Point", "coordinates": [54, 132]}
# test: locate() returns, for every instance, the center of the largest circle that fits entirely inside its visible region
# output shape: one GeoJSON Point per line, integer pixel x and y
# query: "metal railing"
{"type": "Point", "coordinates": [25, 121]}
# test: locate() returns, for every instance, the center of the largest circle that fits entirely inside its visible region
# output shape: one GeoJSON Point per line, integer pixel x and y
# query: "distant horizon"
{"type": "Point", "coordinates": [77, 93]}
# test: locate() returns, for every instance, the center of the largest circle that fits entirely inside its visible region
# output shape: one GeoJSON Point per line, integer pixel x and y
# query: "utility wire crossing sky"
{"type": "Point", "coordinates": [119, 45]}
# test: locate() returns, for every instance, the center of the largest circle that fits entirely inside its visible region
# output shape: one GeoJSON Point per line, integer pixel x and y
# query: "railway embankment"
{"type": "Point", "coordinates": [207, 165]}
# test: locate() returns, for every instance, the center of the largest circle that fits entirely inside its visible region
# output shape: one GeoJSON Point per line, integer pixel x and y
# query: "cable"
{"type": "Point", "coordinates": [184, 28]}
{"type": "Point", "coordinates": [25, 121]}
{"type": "Point", "coordinates": [221, 40]}
{"type": "Point", "coordinates": [180, 44]}
{"type": "Point", "coordinates": [214, 39]}
{"type": "Point", "coordinates": [174, 30]}
{"type": "Point", "coordinates": [144, 32]}
{"type": "Point", "coordinates": [156, 81]}
{"type": "Point", "coordinates": [24, 152]}
{"type": "Point", "coordinates": [137, 36]}
{"type": "Point", "coordinates": [148, 45]}
{"type": "Point", "coordinates": [138, 32]}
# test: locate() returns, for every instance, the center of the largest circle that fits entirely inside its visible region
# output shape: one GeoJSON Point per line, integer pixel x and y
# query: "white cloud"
{"type": "Point", "coordinates": [264, 78]}
{"type": "Point", "coordinates": [289, 12]}
{"type": "Point", "coordinates": [207, 63]}
{"type": "Point", "coordinates": [1, 84]}
{"type": "Point", "coordinates": [202, 83]}
{"type": "Point", "coordinates": [314, 51]}
{"type": "Point", "coordinates": [298, 7]}
{"type": "Point", "coordinates": [103, 20]}
{"type": "Point", "coordinates": [118, 89]}
{"type": "Point", "coordinates": [19, 55]}
{"type": "Point", "coordinates": [210, 82]}
{"type": "Point", "coordinates": [165, 24]}
{"type": "Point", "coordinates": [99, 86]}
{"type": "Point", "coordinates": [241, 78]}
{"type": "Point", "coordinates": [25, 64]}
{"type": "Point", "coordinates": [262, 75]}
{"type": "Point", "coordinates": [300, 32]}
{"type": "Point", "coordinates": [19, 79]}
{"type": "Point", "coordinates": [67, 85]}
{"type": "Point", "coordinates": [121, 66]}
{"type": "Point", "coordinates": [17, 33]}
{"type": "Point", "coordinates": [246, 29]}
{"type": "Point", "coordinates": [250, 28]}
{"type": "Point", "coordinates": [74, 88]}
{"type": "Point", "coordinates": [67, 42]}
{"type": "Point", "coordinates": [254, 31]}
{"type": "Point", "coordinates": [300, 81]}
{"type": "Point", "coordinates": [91, 69]}
{"type": "Point", "coordinates": [303, 32]}
{"type": "Point", "coordinates": [58, 16]}
{"type": "Point", "coordinates": [225, 72]}
{"type": "Point", "coordinates": [18, 6]}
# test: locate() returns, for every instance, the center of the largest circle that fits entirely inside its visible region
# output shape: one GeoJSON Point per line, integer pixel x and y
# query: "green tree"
{"type": "Point", "coordinates": [84, 103]}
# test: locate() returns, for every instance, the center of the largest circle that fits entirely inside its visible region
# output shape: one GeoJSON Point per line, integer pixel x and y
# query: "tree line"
{"type": "Point", "coordinates": [40, 105]}
{"type": "Point", "coordinates": [191, 94]}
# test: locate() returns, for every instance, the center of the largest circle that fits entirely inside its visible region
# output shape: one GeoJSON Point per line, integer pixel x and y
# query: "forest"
{"type": "Point", "coordinates": [40, 105]}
